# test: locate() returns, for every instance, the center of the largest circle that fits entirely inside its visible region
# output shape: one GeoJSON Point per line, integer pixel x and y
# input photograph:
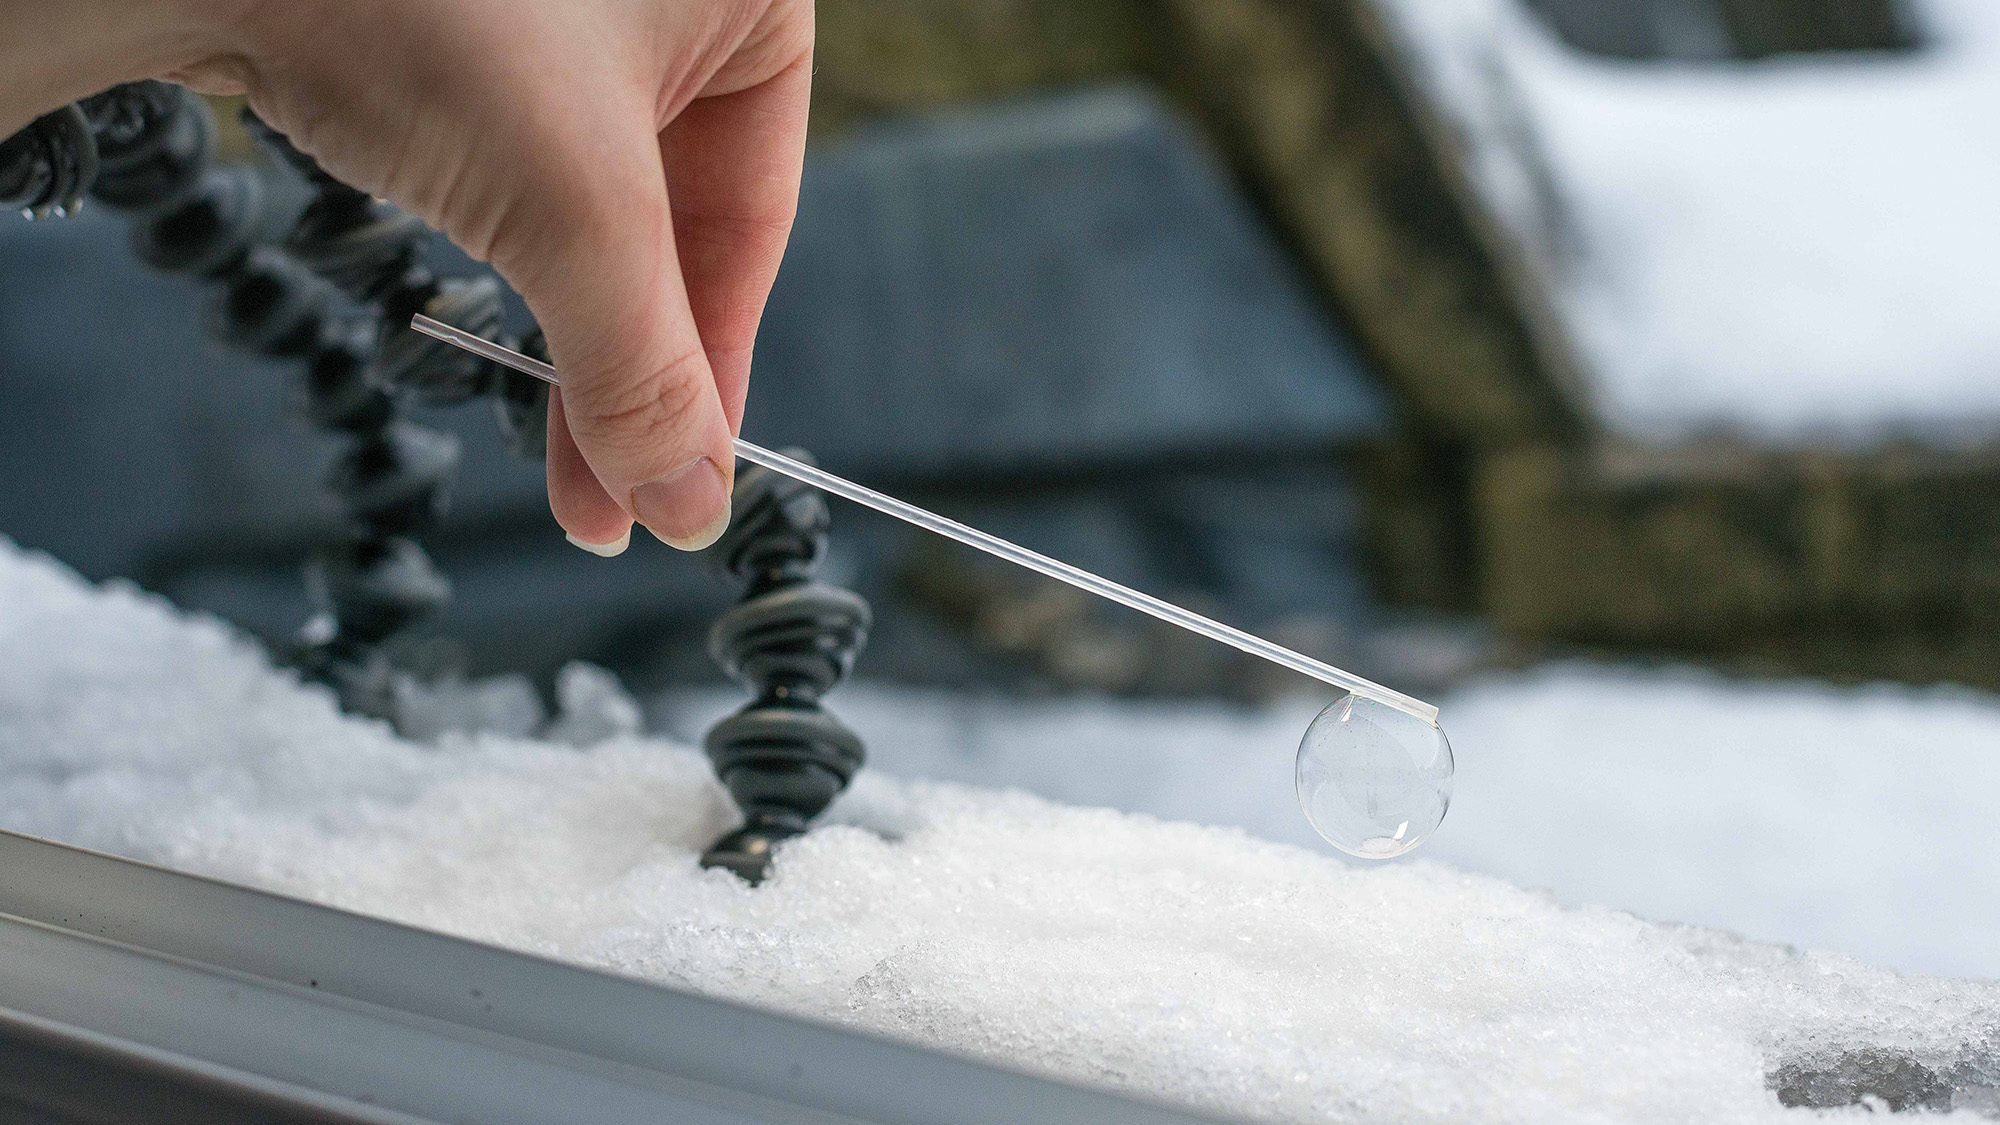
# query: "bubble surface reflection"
{"type": "Point", "coordinates": [1373, 780]}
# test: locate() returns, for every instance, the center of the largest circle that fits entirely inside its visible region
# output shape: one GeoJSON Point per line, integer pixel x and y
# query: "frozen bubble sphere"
{"type": "Point", "coordinates": [1373, 780]}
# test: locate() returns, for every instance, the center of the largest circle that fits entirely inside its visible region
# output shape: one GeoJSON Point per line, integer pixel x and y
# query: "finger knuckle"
{"type": "Point", "coordinates": [636, 416]}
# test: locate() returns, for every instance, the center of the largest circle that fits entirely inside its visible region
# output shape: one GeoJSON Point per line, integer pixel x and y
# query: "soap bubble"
{"type": "Point", "coordinates": [1373, 780]}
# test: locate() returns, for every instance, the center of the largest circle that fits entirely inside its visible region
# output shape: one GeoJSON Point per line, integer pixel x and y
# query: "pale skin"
{"type": "Point", "coordinates": [631, 167]}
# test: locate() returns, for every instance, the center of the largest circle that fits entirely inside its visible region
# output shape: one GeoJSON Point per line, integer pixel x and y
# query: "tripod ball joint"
{"type": "Point", "coordinates": [315, 295]}
{"type": "Point", "coordinates": [47, 167]}
{"type": "Point", "coordinates": [790, 640]}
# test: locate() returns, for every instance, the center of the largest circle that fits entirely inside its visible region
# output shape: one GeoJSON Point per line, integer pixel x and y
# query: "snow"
{"type": "Point", "coordinates": [1188, 962]}
{"type": "Point", "coordinates": [1798, 248]}
{"type": "Point", "coordinates": [1853, 819]}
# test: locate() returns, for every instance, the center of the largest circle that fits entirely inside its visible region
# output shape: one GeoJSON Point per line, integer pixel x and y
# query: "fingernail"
{"type": "Point", "coordinates": [604, 550]}
{"type": "Point", "coordinates": [687, 509]}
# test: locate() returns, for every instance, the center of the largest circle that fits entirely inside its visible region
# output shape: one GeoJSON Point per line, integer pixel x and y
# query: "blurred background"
{"type": "Point", "coordinates": [1624, 374]}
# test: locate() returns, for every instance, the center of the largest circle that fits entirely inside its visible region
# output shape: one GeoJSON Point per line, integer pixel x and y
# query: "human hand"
{"type": "Point", "coordinates": [631, 167]}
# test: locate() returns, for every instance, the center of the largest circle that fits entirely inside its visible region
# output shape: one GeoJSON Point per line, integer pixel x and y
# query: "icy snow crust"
{"type": "Point", "coordinates": [1797, 248]}
{"type": "Point", "coordinates": [1187, 962]}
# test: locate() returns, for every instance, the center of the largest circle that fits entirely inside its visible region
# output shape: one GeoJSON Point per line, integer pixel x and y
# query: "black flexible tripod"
{"type": "Point", "coordinates": [336, 293]}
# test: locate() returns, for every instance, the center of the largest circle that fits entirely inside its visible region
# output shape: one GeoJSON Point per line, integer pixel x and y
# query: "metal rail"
{"type": "Point", "coordinates": [156, 992]}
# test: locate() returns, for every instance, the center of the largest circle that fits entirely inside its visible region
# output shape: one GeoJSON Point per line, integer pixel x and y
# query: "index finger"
{"type": "Point", "coordinates": [732, 164]}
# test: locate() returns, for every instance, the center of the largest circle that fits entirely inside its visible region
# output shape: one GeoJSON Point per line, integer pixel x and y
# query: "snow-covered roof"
{"type": "Point", "coordinates": [1801, 247]}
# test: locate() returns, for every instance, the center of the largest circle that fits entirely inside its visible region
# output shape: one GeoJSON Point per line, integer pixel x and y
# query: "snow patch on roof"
{"type": "Point", "coordinates": [1797, 248]}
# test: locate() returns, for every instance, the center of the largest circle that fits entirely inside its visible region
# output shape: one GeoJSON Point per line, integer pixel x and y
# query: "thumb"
{"type": "Point", "coordinates": [639, 402]}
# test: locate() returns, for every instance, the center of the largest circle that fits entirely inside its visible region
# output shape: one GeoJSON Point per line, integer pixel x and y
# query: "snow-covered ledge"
{"type": "Point", "coordinates": [1194, 964]}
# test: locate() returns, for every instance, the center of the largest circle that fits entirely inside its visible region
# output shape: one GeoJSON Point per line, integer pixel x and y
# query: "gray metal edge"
{"type": "Point", "coordinates": [378, 1014]}
{"type": "Point", "coordinates": [210, 1075]}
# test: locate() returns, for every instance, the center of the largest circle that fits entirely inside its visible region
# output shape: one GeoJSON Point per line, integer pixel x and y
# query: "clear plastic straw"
{"type": "Point", "coordinates": [991, 544]}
